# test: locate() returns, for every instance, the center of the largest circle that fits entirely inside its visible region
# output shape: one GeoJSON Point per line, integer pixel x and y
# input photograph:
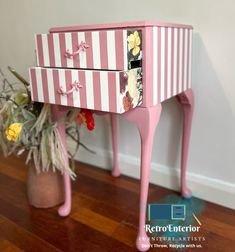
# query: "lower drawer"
{"type": "Point", "coordinates": [111, 91]}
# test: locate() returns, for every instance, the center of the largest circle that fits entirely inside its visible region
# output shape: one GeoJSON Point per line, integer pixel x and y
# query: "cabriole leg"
{"type": "Point", "coordinates": [186, 99]}
{"type": "Point", "coordinates": [57, 113]}
{"type": "Point", "coordinates": [114, 125]}
{"type": "Point", "coordinates": [146, 119]}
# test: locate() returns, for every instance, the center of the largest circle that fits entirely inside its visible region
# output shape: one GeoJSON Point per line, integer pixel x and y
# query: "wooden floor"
{"type": "Point", "coordinates": [104, 215]}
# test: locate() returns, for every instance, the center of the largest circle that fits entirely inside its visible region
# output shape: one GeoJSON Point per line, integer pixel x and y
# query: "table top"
{"type": "Point", "coordinates": [136, 25]}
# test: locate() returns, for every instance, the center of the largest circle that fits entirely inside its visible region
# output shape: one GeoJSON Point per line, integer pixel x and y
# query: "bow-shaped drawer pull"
{"type": "Point", "coordinates": [74, 87]}
{"type": "Point", "coordinates": [81, 48]}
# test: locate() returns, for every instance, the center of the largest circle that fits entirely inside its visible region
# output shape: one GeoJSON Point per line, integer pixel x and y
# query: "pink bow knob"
{"type": "Point", "coordinates": [81, 48]}
{"type": "Point", "coordinates": [74, 87]}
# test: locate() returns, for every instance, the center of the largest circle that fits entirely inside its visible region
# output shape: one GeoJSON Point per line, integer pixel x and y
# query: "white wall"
{"type": "Point", "coordinates": [212, 149]}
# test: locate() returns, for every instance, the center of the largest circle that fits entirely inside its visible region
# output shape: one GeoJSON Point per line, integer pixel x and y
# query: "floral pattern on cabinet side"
{"type": "Point", "coordinates": [131, 89]}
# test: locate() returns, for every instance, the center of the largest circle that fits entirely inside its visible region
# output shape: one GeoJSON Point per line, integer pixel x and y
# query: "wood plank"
{"type": "Point", "coordinates": [216, 243]}
{"type": "Point", "coordinates": [11, 171]}
{"type": "Point", "coordinates": [63, 233]}
{"type": "Point", "coordinates": [14, 191]}
{"type": "Point", "coordinates": [49, 218]}
{"type": "Point", "coordinates": [222, 214]}
{"type": "Point", "coordinates": [96, 221]}
{"type": "Point", "coordinates": [19, 239]}
{"type": "Point", "coordinates": [103, 208]}
{"type": "Point", "coordinates": [222, 229]}
{"type": "Point", "coordinates": [105, 176]}
{"type": "Point", "coordinates": [106, 192]}
{"type": "Point", "coordinates": [6, 246]}
{"type": "Point", "coordinates": [104, 215]}
{"type": "Point", "coordinates": [126, 234]}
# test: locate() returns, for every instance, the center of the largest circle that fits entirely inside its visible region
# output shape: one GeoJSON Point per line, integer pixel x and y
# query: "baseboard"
{"type": "Point", "coordinates": [212, 190]}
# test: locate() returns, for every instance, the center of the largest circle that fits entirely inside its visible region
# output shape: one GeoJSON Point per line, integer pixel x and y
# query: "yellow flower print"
{"type": "Point", "coordinates": [134, 42]}
{"type": "Point", "coordinates": [13, 131]}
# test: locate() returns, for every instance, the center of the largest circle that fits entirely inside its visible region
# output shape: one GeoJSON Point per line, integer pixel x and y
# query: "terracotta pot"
{"type": "Point", "coordinates": [44, 190]}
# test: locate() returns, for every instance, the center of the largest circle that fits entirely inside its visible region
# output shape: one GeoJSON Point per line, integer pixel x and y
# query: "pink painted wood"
{"type": "Point", "coordinates": [186, 99]}
{"type": "Point", "coordinates": [146, 120]}
{"type": "Point", "coordinates": [57, 113]}
{"type": "Point", "coordinates": [166, 73]}
{"type": "Point", "coordinates": [166, 58]}
{"type": "Point", "coordinates": [125, 25]}
{"type": "Point", "coordinates": [72, 87]}
{"type": "Point", "coordinates": [114, 125]}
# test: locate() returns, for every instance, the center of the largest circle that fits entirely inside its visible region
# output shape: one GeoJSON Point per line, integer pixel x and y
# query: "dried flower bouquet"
{"type": "Point", "coordinates": [26, 126]}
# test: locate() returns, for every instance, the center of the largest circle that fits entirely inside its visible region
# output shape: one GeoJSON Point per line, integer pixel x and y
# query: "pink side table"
{"type": "Point", "coordinates": [124, 68]}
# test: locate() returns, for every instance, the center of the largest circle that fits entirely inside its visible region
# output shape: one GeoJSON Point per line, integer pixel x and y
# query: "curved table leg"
{"type": "Point", "coordinates": [114, 125]}
{"type": "Point", "coordinates": [65, 209]}
{"type": "Point", "coordinates": [146, 119]}
{"type": "Point", "coordinates": [57, 113]}
{"type": "Point", "coordinates": [186, 99]}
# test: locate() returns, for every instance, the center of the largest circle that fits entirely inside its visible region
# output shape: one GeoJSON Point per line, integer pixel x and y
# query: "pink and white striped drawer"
{"type": "Point", "coordinates": [111, 91]}
{"type": "Point", "coordinates": [107, 49]}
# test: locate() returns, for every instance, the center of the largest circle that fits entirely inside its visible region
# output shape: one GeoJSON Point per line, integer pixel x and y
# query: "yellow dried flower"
{"type": "Point", "coordinates": [21, 98]}
{"type": "Point", "coordinates": [13, 131]}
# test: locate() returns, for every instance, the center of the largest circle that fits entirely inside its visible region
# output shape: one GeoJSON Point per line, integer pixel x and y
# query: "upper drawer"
{"type": "Point", "coordinates": [106, 49]}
